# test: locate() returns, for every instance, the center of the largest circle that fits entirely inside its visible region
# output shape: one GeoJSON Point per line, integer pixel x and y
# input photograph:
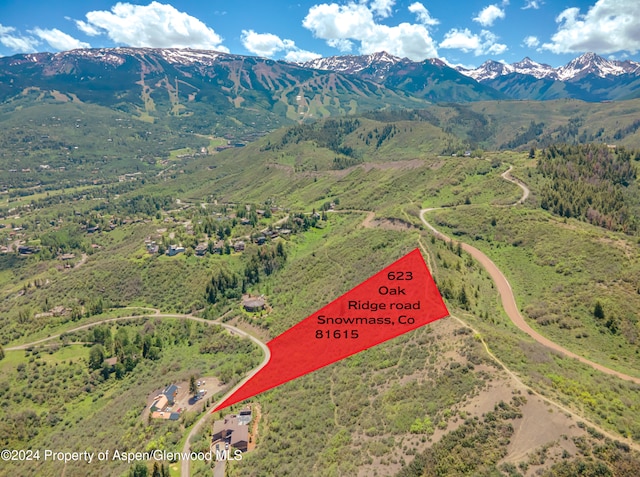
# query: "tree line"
{"type": "Point", "coordinates": [590, 182]}
{"type": "Point", "coordinates": [259, 262]}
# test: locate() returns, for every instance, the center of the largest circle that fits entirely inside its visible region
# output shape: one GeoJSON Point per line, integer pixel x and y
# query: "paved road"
{"type": "Point", "coordinates": [506, 293]}
{"type": "Point", "coordinates": [502, 284]}
{"type": "Point", "coordinates": [267, 355]}
{"type": "Point", "coordinates": [185, 464]}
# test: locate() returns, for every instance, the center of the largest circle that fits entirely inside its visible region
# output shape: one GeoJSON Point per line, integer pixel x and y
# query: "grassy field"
{"type": "Point", "coordinates": [559, 270]}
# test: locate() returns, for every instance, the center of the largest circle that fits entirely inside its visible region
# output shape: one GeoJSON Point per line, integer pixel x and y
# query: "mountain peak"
{"type": "Point", "coordinates": [589, 63]}
{"type": "Point", "coordinates": [378, 63]}
{"type": "Point", "coordinates": [529, 67]}
{"type": "Point", "coordinates": [490, 69]}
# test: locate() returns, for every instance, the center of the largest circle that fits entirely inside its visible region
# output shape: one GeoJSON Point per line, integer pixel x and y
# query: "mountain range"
{"type": "Point", "coordinates": [577, 69]}
{"type": "Point", "coordinates": [240, 96]}
{"type": "Point", "coordinates": [588, 77]}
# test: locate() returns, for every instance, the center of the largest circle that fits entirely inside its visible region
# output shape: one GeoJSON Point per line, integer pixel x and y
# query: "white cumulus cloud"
{"type": "Point", "coordinates": [58, 39]}
{"type": "Point", "coordinates": [489, 15]}
{"type": "Point", "coordinates": [264, 44]}
{"type": "Point", "coordinates": [17, 42]}
{"type": "Point", "coordinates": [343, 25]}
{"type": "Point", "coordinates": [268, 44]}
{"type": "Point", "coordinates": [341, 44]}
{"type": "Point", "coordinates": [483, 44]}
{"type": "Point", "coordinates": [608, 26]}
{"type": "Point", "coordinates": [87, 28]}
{"type": "Point", "coordinates": [156, 25]}
{"type": "Point", "coordinates": [382, 8]}
{"type": "Point", "coordinates": [461, 39]}
{"type": "Point", "coordinates": [531, 41]}
{"type": "Point", "coordinates": [300, 56]}
{"type": "Point", "coordinates": [423, 14]}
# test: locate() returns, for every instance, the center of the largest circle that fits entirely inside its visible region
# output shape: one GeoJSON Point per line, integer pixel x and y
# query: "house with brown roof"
{"type": "Point", "coordinates": [160, 403]}
{"type": "Point", "coordinates": [218, 247]}
{"type": "Point", "coordinates": [201, 249]}
{"type": "Point", "coordinates": [231, 431]}
{"type": "Point", "coordinates": [254, 304]}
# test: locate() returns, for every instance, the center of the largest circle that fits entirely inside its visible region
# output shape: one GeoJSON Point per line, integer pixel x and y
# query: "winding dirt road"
{"type": "Point", "coordinates": [502, 285]}
{"type": "Point", "coordinates": [506, 293]}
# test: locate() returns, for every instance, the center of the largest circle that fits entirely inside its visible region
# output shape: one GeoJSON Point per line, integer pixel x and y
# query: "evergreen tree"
{"type": "Point", "coordinates": [463, 298]}
{"type": "Point", "coordinates": [193, 387]}
{"type": "Point", "coordinates": [139, 470]}
{"type": "Point", "coordinates": [598, 311]}
{"type": "Point", "coordinates": [96, 356]}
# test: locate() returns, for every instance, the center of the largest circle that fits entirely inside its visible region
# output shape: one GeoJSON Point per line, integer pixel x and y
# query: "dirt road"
{"type": "Point", "coordinates": [506, 293]}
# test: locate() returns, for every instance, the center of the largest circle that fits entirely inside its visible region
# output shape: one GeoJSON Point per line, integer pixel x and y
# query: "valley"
{"type": "Point", "coordinates": [138, 223]}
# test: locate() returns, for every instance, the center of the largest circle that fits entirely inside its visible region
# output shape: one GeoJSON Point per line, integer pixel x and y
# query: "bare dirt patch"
{"type": "Point", "coordinates": [391, 224]}
{"type": "Point", "coordinates": [541, 425]}
{"type": "Point", "coordinates": [620, 244]}
{"type": "Point", "coordinates": [398, 165]}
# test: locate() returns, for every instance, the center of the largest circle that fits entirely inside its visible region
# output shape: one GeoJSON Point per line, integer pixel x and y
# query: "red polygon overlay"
{"type": "Point", "coordinates": [400, 298]}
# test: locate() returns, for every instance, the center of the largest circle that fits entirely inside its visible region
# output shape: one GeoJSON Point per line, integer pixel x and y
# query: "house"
{"type": "Point", "coordinates": [261, 240]}
{"type": "Point", "coordinates": [152, 247]}
{"type": "Point", "coordinates": [244, 416]}
{"type": "Point", "coordinates": [171, 392]}
{"type": "Point", "coordinates": [175, 250]}
{"type": "Point", "coordinates": [201, 249]}
{"type": "Point", "coordinates": [67, 256]}
{"type": "Point", "coordinates": [239, 246]}
{"type": "Point", "coordinates": [252, 304]}
{"type": "Point", "coordinates": [160, 408]}
{"type": "Point", "coordinates": [93, 229]}
{"type": "Point", "coordinates": [171, 416]}
{"type": "Point", "coordinates": [218, 247]}
{"type": "Point", "coordinates": [27, 250]}
{"type": "Point", "coordinates": [230, 431]}
{"type": "Point", "coordinates": [160, 403]}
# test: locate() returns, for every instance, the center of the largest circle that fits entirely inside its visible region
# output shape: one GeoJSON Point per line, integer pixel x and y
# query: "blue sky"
{"type": "Point", "coordinates": [465, 32]}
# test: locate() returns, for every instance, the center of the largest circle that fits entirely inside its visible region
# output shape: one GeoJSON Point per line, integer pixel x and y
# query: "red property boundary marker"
{"type": "Point", "coordinates": [394, 301]}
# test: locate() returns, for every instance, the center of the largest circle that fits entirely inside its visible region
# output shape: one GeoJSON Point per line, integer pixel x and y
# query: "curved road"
{"type": "Point", "coordinates": [502, 285]}
{"type": "Point", "coordinates": [506, 293]}
{"type": "Point", "coordinates": [185, 463]}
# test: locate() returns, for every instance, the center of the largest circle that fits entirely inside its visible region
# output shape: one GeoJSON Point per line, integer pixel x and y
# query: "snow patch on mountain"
{"type": "Point", "coordinates": [576, 69]}
{"type": "Point", "coordinates": [352, 64]}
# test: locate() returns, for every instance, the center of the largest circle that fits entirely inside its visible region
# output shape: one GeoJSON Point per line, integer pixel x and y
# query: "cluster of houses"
{"type": "Point", "coordinates": [55, 311]}
{"type": "Point", "coordinates": [201, 249]}
{"type": "Point", "coordinates": [232, 431]}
